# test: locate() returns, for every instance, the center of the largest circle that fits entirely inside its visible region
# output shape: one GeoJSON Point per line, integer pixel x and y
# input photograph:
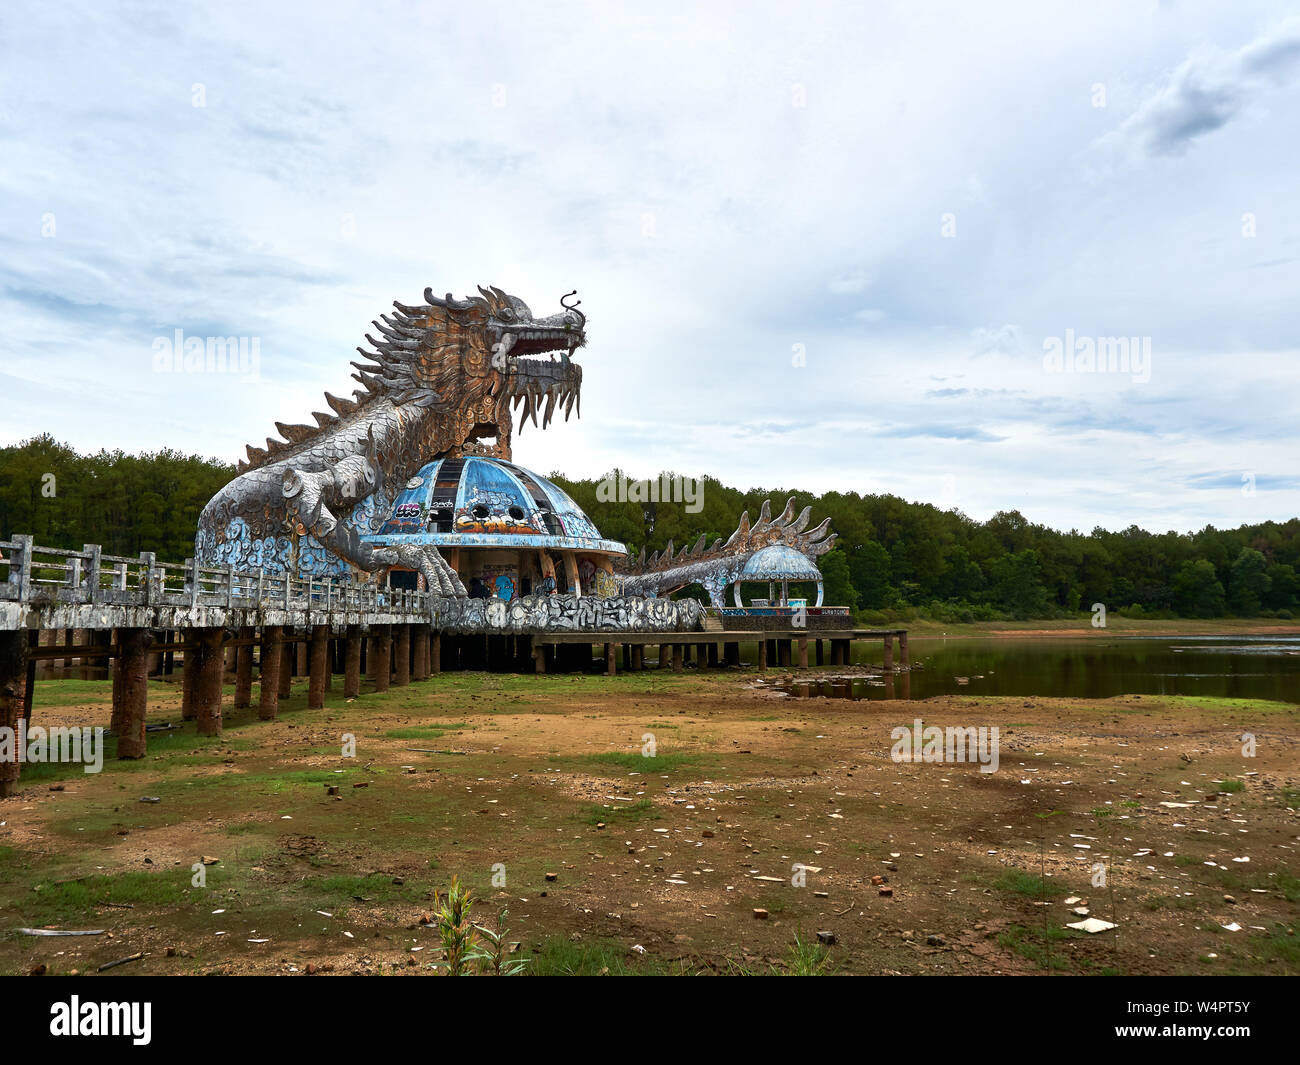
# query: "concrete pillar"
{"type": "Point", "coordinates": [13, 681]}
{"type": "Point", "coordinates": [187, 683]}
{"type": "Point", "coordinates": [352, 662]}
{"type": "Point", "coordinates": [435, 654]}
{"type": "Point", "coordinates": [889, 652]}
{"type": "Point", "coordinates": [420, 640]}
{"type": "Point", "coordinates": [131, 691]}
{"type": "Point", "coordinates": [287, 650]}
{"type": "Point", "coordinates": [762, 654]}
{"type": "Point", "coordinates": [402, 656]}
{"type": "Point", "coordinates": [610, 669]}
{"type": "Point", "coordinates": [677, 658]}
{"type": "Point", "coordinates": [803, 652]}
{"type": "Point", "coordinates": [207, 682]}
{"type": "Point", "coordinates": [783, 652]}
{"type": "Point", "coordinates": [269, 680]}
{"type": "Point", "coordinates": [244, 671]}
{"type": "Point", "coordinates": [539, 657]}
{"type": "Point", "coordinates": [381, 639]}
{"type": "Point", "coordinates": [902, 650]}
{"type": "Point", "coordinates": [29, 686]}
{"type": "Point", "coordinates": [319, 666]}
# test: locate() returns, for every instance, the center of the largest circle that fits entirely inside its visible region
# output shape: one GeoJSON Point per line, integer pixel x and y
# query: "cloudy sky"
{"type": "Point", "coordinates": [828, 246]}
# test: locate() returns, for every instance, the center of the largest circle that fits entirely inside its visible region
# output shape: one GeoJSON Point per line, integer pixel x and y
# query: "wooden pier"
{"type": "Point", "coordinates": [137, 614]}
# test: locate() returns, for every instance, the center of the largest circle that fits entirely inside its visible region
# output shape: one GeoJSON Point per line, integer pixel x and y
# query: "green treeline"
{"type": "Point", "coordinates": [127, 503]}
{"type": "Point", "coordinates": [892, 556]}
{"type": "Point", "coordinates": [897, 557]}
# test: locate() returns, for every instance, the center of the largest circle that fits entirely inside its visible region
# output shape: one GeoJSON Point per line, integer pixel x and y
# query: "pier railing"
{"type": "Point", "coordinates": [37, 576]}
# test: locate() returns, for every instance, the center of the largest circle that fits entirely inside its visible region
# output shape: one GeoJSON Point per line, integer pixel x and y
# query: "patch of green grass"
{"type": "Point", "coordinates": [1231, 786]}
{"type": "Point", "coordinates": [1155, 903]}
{"type": "Point", "coordinates": [635, 761]}
{"type": "Point", "coordinates": [373, 887]}
{"type": "Point", "coordinates": [1037, 945]}
{"type": "Point", "coordinates": [425, 732]}
{"type": "Point", "coordinates": [808, 957]}
{"type": "Point", "coordinates": [1280, 944]}
{"type": "Point", "coordinates": [1018, 882]}
{"type": "Point", "coordinates": [641, 810]}
{"type": "Point", "coordinates": [596, 957]}
{"type": "Point", "coordinates": [53, 902]}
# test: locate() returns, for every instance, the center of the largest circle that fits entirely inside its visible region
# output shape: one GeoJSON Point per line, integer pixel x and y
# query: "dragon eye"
{"type": "Point", "coordinates": [507, 315]}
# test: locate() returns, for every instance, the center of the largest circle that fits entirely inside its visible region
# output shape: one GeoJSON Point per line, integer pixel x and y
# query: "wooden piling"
{"type": "Point", "coordinates": [269, 679]}
{"type": "Point", "coordinates": [13, 680]}
{"type": "Point", "coordinates": [131, 691]}
{"type": "Point", "coordinates": [420, 643]}
{"type": "Point", "coordinates": [207, 682]}
{"type": "Point", "coordinates": [381, 639]}
{"type": "Point", "coordinates": [287, 651]}
{"type": "Point", "coordinates": [187, 686]}
{"type": "Point", "coordinates": [352, 662]}
{"type": "Point", "coordinates": [402, 656]}
{"type": "Point", "coordinates": [319, 666]}
{"type": "Point", "coordinates": [244, 670]}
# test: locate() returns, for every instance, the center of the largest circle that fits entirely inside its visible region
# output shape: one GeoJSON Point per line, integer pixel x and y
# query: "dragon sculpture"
{"type": "Point", "coordinates": [443, 378]}
{"type": "Point", "coordinates": [719, 564]}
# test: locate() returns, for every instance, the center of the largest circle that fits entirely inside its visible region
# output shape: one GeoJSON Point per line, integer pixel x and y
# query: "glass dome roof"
{"type": "Point", "coordinates": [477, 501]}
{"type": "Point", "coordinates": [779, 563]}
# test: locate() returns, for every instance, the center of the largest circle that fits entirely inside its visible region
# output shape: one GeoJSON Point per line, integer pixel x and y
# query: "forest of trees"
{"type": "Point", "coordinates": [893, 557]}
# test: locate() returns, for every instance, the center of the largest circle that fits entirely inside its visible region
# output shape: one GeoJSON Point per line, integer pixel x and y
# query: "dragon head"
{"type": "Point", "coordinates": [525, 349]}
{"type": "Point", "coordinates": [473, 360]}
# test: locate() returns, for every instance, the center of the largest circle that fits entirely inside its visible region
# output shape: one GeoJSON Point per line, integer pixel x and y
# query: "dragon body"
{"type": "Point", "coordinates": [443, 378]}
{"type": "Point", "coordinates": [715, 566]}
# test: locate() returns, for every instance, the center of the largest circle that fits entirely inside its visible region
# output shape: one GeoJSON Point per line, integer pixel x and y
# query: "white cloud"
{"type": "Point", "coordinates": [710, 216]}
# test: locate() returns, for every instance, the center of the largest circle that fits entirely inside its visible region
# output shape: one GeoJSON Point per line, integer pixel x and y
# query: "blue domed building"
{"type": "Point", "coordinates": [505, 530]}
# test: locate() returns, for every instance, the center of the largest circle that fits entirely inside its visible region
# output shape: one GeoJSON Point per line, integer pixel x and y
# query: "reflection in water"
{"type": "Point", "coordinates": [1266, 667]}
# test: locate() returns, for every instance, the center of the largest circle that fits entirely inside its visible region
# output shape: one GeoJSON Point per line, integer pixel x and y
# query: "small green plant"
{"type": "Point", "coordinates": [457, 932]}
{"type": "Point", "coordinates": [490, 954]}
{"type": "Point", "coordinates": [808, 958]}
{"type": "Point", "coordinates": [1231, 786]}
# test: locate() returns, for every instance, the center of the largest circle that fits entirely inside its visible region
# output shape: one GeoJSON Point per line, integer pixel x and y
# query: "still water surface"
{"type": "Point", "coordinates": [1243, 667]}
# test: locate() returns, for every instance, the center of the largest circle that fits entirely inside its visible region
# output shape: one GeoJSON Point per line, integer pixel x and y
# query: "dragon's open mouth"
{"type": "Point", "coordinates": [536, 375]}
{"type": "Point", "coordinates": [540, 372]}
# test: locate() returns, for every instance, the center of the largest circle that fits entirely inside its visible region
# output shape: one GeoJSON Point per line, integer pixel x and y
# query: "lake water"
{"type": "Point", "coordinates": [1095, 667]}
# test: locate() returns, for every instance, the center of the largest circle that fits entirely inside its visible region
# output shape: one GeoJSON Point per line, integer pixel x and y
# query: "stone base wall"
{"type": "Point", "coordinates": [567, 613]}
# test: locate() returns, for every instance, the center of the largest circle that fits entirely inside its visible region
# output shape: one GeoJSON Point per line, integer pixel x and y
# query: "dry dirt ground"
{"type": "Point", "coordinates": [618, 862]}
